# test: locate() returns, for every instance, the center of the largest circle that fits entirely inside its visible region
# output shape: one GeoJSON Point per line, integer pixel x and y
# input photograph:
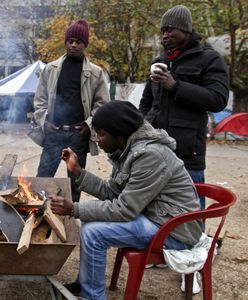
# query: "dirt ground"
{"type": "Point", "coordinates": [226, 166]}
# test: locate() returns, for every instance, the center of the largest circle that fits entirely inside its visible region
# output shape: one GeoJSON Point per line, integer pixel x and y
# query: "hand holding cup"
{"type": "Point", "coordinates": [158, 67]}
{"type": "Point", "coordinates": [160, 74]}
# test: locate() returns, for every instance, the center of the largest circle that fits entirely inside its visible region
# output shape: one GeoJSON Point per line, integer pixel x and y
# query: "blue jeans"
{"type": "Point", "coordinates": [97, 237]}
{"type": "Point", "coordinates": [55, 142]}
{"type": "Point", "coordinates": [198, 177]}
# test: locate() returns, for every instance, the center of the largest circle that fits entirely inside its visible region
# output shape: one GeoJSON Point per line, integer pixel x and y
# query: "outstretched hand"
{"type": "Point", "coordinates": [60, 205]}
{"type": "Point", "coordinates": [71, 160]}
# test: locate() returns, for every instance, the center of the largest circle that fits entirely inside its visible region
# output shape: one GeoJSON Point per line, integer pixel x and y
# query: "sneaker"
{"type": "Point", "coordinates": [74, 288]}
{"type": "Point", "coordinates": [149, 266]}
{"type": "Point", "coordinates": [161, 266]}
{"type": "Point", "coordinates": [196, 283]}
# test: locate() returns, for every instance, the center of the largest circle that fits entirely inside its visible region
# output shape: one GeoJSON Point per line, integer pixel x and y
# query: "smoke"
{"type": "Point", "coordinates": [15, 109]}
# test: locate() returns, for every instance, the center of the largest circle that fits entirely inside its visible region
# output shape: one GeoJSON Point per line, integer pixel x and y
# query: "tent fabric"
{"type": "Point", "coordinates": [12, 76]}
{"type": "Point", "coordinates": [219, 116]}
{"type": "Point", "coordinates": [136, 94]}
{"type": "Point", "coordinates": [236, 123]}
{"type": "Point", "coordinates": [22, 82]}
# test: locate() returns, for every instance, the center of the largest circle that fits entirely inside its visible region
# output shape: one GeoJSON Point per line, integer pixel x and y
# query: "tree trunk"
{"type": "Point", "coordinates": [240, 104]}
{"type": "Point", "coordinates": [240, 99]}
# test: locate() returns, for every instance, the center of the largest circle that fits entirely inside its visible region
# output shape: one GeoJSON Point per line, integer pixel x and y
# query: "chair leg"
{"type": "Point", "coordinates": [136, 264]}
{"type": "Point", "coordinates": [207, 283]}
{"type": "Point", "coordinates": [189, 286]}
{"type": "Point", "coordinates": [116, 270]}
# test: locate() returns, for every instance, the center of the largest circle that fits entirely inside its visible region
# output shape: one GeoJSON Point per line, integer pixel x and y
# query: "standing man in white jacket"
{"type": "Point", "coordinates": [70, 91]}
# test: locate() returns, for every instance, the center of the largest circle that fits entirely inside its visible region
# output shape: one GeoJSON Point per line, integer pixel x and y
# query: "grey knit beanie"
{"type": "Point", "coordinates": [179, 17]}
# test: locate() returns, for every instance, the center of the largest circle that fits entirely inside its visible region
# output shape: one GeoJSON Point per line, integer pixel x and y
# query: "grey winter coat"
{"type": "Point", "coordinates": [94, 93]}
{"type": "Point", "coordinates": [147, 178]}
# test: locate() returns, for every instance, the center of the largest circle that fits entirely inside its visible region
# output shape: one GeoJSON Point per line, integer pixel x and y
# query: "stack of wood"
{"type": "Point", "coordinates": [23, 221]}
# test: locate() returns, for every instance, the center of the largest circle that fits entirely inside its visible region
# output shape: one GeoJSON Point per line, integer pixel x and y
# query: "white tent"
{"type": "Point", "coordinates": [22, 82]}
{"type": "Point", "coordinates": [17, 91]}
{"type": "Point", "coordinates": [130, 91]}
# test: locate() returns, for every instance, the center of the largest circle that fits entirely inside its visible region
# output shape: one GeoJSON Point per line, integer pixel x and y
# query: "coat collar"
{"type": "Point", "coordinates": [86, 68]}
{"type": "Point", "coordinates": [148, 134]}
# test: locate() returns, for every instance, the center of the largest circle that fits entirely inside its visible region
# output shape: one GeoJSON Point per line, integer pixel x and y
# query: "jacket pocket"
{"type": "Point", "coordinates": [188, 74]}
{"type": "Point", "coordinates": [184, 132]}
{"type": "Point", "coordinates": [121, 178]}
{"type": "Point", "coordinates": [37, 135]}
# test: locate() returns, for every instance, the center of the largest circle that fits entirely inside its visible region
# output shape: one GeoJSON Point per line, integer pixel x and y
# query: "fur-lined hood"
{"type": "Point", "coordinates": [147, 131]}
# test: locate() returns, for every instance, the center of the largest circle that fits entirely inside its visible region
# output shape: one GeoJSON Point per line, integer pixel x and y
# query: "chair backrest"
{"type": "Point", "coordinates": [224, 198]}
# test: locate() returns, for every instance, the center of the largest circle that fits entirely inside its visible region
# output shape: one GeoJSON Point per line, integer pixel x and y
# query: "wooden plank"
{"type": "Point", "coordinates": [55, 222]}
{"type": "Point", "coordinates": [64, 291]}
{"type": "Point", "coordinates": [24, 241]}
{"type": "Point", "coordinates": [8, 192]}
{"type": "Point", "coordinates": [32, 204]}
{"type": "Point", "coordinates": [6, 169]}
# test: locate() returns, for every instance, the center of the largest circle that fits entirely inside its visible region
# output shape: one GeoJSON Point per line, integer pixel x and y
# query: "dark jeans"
{"type": "Point", "coordinates": [198, 177]}
{"type": "Point", "coordinates": [55, 142]}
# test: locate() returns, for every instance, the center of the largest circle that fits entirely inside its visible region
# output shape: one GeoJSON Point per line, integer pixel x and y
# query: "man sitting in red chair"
{"type": "Point", "coordinates": [148, 185]}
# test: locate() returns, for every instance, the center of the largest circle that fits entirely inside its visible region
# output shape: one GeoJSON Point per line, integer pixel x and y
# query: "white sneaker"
{"type": "Point", "coordinates": [196, 283]}
{"type": "Point", "coordinates": [149, 266]}
{"type": "Point", "coordinates": [161, 266]}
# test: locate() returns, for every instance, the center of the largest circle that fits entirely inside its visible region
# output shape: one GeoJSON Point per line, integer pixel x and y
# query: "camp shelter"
{"type": "Point", "coordinates": [17, 91]}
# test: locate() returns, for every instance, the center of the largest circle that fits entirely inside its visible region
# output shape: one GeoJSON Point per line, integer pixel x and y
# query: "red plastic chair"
{"type": "Point", "coordinates": [137, 259]}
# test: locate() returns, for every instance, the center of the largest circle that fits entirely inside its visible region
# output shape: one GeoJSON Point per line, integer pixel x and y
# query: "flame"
{"type": "Point", "coordinates": [25, 188]}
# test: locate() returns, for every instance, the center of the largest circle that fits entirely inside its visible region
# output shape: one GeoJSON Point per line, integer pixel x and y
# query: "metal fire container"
{"type": "Point", "coordinates": [41, 258]}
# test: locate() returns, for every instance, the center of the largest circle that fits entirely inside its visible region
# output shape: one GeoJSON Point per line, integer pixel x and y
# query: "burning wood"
{"type": "Point", "coordinates": [44, 244]}
{"type": "Point", "coordinates": [56, 223]}
{"type": "Point", "coordinates": [32, 206]}
{"type": "Point", "coordinates": [23, 197]}
{"type": "Point", "coordinates": [26, 233]}
{"type": "Point", "coordinates": [27, 203]}
{"type": "Point", "coordinates": [24, 191]}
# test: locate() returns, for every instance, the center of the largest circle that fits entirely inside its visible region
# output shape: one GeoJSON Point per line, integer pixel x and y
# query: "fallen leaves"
{"type": "Point", "coordinates": [233, 235]}
{"type": "Point", "coordinates": [241, 259]}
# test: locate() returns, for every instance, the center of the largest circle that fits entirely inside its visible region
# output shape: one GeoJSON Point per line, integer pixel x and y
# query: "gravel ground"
{"type": "Point", "coordinates": [226, 166]}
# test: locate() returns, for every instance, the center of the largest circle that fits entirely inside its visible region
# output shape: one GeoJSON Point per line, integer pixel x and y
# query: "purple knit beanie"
{"type": "Point", "coordinates": [78, 30]}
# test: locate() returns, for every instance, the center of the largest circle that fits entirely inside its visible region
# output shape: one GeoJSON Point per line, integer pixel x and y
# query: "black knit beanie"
{"type": "Point", "coordinates": [178, 17]}
{"type": "Point", "coordinates": [117, 117]}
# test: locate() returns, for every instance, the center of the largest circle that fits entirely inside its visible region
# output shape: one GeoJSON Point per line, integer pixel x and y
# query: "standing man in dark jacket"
{"type": "Point", "coordinates": [195, 82]}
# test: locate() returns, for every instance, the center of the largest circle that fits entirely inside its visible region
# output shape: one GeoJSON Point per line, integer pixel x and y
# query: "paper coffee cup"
{"type": "Point", "coordinates": [158, 67]}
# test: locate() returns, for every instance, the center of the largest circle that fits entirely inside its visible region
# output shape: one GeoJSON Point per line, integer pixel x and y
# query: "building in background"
{"type": "Point", "coordinates": [19, 21]}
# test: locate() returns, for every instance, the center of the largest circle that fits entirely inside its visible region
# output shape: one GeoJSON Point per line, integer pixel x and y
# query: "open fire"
{"type": "Point", "coordinates": [24, 193]}
{"type": "Point", "coordinates": [51, 242]}
{"type": "Point", "coordinates": [33, 208]}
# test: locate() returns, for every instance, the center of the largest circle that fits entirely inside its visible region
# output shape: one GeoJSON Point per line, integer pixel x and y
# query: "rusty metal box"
{"type": "Point", "coordinates": [40, 258]}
